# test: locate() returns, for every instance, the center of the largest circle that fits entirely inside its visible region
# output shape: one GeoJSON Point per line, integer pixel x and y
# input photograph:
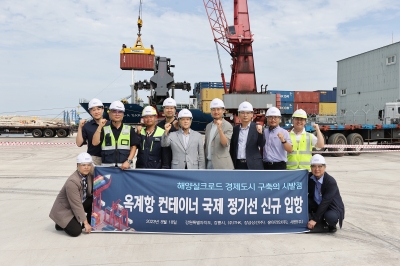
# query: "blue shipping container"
{"type": "Point", "coordinates": [206, 85]}
{"type": "Point", "coordinates": [287, 108]}
{"type": "Point", "coordinates": [286, 96]}
{"type": "Point", "coordinates": [327, 96]}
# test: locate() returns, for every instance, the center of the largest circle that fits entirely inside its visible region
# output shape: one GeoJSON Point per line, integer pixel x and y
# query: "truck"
{"type": "Point", "coordinates": [386, 133]}
{"type": "Point", "coordinates": [38, 129]}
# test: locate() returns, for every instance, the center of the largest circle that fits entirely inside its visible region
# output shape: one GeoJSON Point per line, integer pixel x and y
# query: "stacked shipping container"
{"type": "Point", "coordinates": [287, 99]}
{"type": "Point", "coordinates": [205, 92]}
{"type": "Point", "coordinates": [207, 95]}
{"type": "Point", "coordinates": [308, 101]}
{"type": "Point", "coordinates": [327, 103]}
{"type": "Point", "coordinates": [313, 102]}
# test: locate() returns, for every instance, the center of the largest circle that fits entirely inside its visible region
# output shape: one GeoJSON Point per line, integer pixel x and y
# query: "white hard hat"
{"type": "Point", "coordinates": [246, 107]}
{"type": "Point", "coordinates": [185, 113]}
{"type": "Point", "coordinates": [117, 105]}
{"type": "Point", "coordinates": [169, 102]}
{"type": "Point", "coordinates": [273, 111]}
{"type": "Point", "coordinates": [94, 103]}
{"type": "Point", "coordinates": [318, 159]}
{"type": "Point", "coordinates": [300, 113]}
{"type": "Point", "coordinates": [84, 157]}
{"type": "Point", "coordinates": [149, 110]}
{"type": "Point", "coordinates": [217, 103]}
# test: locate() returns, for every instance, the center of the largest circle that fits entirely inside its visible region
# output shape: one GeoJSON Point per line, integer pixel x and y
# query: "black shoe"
{"type": "Point", "coordinates": [59, 228]}
{"type": "Point", "coordinates": [332, 229]}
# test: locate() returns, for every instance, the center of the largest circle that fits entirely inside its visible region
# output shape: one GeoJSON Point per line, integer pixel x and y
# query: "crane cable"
{"type": "Point", "coordinates": [140, 21]}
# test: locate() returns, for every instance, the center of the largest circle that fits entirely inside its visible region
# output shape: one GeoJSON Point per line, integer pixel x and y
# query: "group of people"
{"type": "Point", "coordinates": [172, 144]}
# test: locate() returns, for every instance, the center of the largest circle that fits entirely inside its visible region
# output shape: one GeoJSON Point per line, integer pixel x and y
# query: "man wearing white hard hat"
{"type": "Point", "coordinates": [325, 205]}
{"type": "Point", "coordinates": [151, 155]}
{"type": "Point", "coordinates": [86, 130]}
{"type": "Point", "coordinates": [217, 138]}
{"type": "Point", "coordinates": [247, 140]}
{"type": "Point", "coordinates": [277, 142]}
{"type": "Point", "coordinates": [118, 141]}
{"type": "Point", "coordinates": [186, 144]}
{"type": "Point", "coordinates": [72, 209]}
{"type": "Point", "coordinates": [303, 142]}
{"type": "Point", "coordinates": [169, 110]}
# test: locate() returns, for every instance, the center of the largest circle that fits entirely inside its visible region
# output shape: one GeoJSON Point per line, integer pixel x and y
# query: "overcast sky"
{"type": "Point", "coordinates": [55, 52]}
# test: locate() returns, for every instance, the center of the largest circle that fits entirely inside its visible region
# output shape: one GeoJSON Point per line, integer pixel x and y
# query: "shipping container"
{"type": "Point", "coordinates": [306, 97]}
{"type": "Point", "coordinates": [205, 107]}
{"type": "Point", "coordinates": [259, 101]}
{"type": "Point", "coordinates": [137, 62]}
{"type": "Point", "coordinates": [327, 96]}
{"type": "Point", "coordinates": [327, 108]}
{"type": "Point", "coordinates": [286, 108]}
{"type": "Point", "coordinates": [215, 85]}
{"type": "Point", "coordinates": [286, 96]}
{"type": "Point", "coordinates": [310, 108]}
{"type": "Point", "coordinates": [210, 94]}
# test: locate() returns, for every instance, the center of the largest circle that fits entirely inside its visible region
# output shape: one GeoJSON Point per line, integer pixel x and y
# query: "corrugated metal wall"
{"type": "Point", "coordinates": [369, 83]}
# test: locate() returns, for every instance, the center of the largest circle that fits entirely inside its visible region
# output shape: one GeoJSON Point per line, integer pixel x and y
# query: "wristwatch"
{"type": "Point", "coordinates": [283, 142]}
{"type": "Point", "coordinates": [129, 161]}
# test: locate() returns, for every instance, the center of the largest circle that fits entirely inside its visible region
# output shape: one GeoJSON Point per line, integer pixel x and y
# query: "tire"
{"type": "Point", "coordinates": [61, 133]}
{"type": "Point", "coordinates": [48, 133]}
{"type": "Point", "coordinates": [37, 133]}
{"type": "Point", "coordinates": [316, 150]}
{"type": "Point", "coordinates": [337, 139]}
{"type": "Point", "coordinates": [355, 139]}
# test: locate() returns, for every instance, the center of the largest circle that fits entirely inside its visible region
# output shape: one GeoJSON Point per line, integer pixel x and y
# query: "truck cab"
{"type": "Point", "coordinates": [390, 114]}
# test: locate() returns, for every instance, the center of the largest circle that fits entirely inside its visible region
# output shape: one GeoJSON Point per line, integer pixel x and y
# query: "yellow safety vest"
{"type": "Point", "coordinates": [116, 152]}
{"type": "Point", "coordinates": [301, 155]}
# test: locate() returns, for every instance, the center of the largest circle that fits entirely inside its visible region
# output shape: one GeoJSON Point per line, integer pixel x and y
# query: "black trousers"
{"type": "Point", "coordinates": [274, 165]}
{"type": "Point", "coordinates": [331, 217]}
{"type": "Point", "coordinates": [74, 228]}
{"type": "Point", "coordinates": [241, 164]}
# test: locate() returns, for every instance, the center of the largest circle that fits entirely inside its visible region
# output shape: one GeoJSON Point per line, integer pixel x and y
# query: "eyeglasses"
{"type": "Point", "coordinates": [117, 112]}
{"type": "Point", "coordinates": [317, 166]}
{"type": "Point", "coordinates": [273, 117]}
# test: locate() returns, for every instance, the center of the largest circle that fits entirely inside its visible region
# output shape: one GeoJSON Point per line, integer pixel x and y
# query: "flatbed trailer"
{"type": "Point", "coordinates": [358, 135]}
{"type": "Point", "coordinates": [38, 131]}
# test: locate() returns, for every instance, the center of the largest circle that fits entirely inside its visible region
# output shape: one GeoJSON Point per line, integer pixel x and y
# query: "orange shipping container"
{"type": "Point", "coordinates": [210, 94]}
{"type": "Point", "coordinates": [137, 62]}
{"type": "Point", "coordinates": [306, 97]}
{"type": "Point", "coordinates": [327, 108]}
{"type": "Point", "coordinates": [310, 108]}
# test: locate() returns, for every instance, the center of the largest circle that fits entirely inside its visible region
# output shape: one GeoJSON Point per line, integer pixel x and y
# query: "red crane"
{"type": "Point", "coordinates": [237, 41]}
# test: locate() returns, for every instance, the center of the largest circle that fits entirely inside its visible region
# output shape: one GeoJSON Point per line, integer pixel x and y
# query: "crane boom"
{"type": "Point", "coordinates": [237, 41]}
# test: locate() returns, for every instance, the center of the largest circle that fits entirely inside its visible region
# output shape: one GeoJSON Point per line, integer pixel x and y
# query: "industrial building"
{"type": "Point", "coordinates": [365, 82]}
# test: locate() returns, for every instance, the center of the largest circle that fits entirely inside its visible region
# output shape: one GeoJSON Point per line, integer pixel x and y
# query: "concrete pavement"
{"type": "Point", "coordinates": [31, 177]}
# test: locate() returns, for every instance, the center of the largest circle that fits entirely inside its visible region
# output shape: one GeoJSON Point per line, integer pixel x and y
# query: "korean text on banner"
{"type": "Point", "coordinates": [199, 201]}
